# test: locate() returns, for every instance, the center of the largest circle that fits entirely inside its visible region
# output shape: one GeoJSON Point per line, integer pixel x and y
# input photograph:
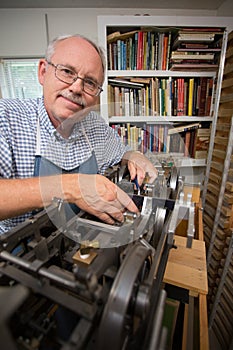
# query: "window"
{"type": "Point", "coordinates": [18, 78]}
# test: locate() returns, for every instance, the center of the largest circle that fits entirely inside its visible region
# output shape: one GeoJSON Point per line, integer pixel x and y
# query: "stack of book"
{"type": "Point", "coordinates": [195, 49]}
{"type": "Point", "coordinates": [201, 145]}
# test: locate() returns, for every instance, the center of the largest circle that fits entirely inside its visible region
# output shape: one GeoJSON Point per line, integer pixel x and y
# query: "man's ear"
{"type": "Point", "coordinates": [41, 70]}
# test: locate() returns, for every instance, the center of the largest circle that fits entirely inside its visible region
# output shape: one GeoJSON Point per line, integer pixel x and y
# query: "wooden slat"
{"type": "Point", "coordinates": [214, 263]}
{"type": "Point", "coordinates": [220, 140]}
{"type": "Point", "coordinates": [228, 198]}
{"type": "Point", "coordinates": [217, 179]}
{"type": "Point", "coordinates": [185, 328]}
{"type": "Point", "coordinates": [199, 221]}
{"type": "Point", "coordinates": [203, 318]}
{"type": "Point", "coordinates": [221, 234]}
{"type": "Point", "coordinates": [212, 200]}
{"type": "Point", "coordinates": [226, 211]}
{"type": "Point", "coordinates": [222, 127]}
{"type": "Point", "coordinates": [219, 154]}
{"type": "Point", "coordinates": [228, 69]}
{"type": "Point", "coordinates": [213, 189]}
{"type": "Point", "coordinates": [229, 186]}
{"type": "Point", "coordinates": [227, 98]}
{"type": "Point", "coordinates": [230, 38]}
{"type": "Point", "coordinates": [211, 210]}
{"type": "Point", "coordinates": [217, 254]}
{"type": "Point", "coordinates": [208, 220]}
{"type": "Point", "coordinates": [204, 333]}
{"type": "Point", "coordinates": [227, 82]}
{"type": "Point", "coordinates": [224, 223]}
{"type": "Point", "coordinates": [186, 267]}
{"type": "Point", "coordinates": [225, 112]}
{"type": "Point", "coordinates": [217, 166]}
{"type": "Point", "coordinates": [207, 231]}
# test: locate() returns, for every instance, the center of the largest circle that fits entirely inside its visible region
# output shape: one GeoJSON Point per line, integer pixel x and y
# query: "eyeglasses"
{"type": "Point", "coordinates": [68, 76]}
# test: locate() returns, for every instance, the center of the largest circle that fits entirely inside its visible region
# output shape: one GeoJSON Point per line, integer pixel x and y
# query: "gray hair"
{"type": "Point", "coordinates": [52, 46]}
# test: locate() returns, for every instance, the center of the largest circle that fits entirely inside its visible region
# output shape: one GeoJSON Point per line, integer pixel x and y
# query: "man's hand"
{"type": "Point", "coordinates": [139, 166]}
{"type": "Point", "coordinates": [102, 198]}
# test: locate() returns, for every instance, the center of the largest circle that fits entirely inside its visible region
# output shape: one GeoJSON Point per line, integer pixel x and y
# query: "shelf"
{"type": "Point", "coordinates": [157, 119]}
{"type": "Point", "coordinates": [158, 73]}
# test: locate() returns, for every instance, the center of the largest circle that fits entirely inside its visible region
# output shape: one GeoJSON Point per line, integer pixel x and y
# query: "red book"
{"type": "Point", "coordinates": [165, 50]}
{"type": "Point", "coordinates": [140, 51]}
{"type": "Point", "coordinates": [209, 91]}
{"type": "Point", "coordinates": [187, 139]}
{"type": "Point", "coordinates": [202, 101]}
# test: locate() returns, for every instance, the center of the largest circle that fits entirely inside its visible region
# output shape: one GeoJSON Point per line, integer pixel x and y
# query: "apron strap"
{"type": "Point", "coordinates": [84, 132]}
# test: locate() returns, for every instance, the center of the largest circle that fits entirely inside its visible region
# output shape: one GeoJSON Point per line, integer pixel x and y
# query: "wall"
{"type": "Point", "coordinates": [25, 32]}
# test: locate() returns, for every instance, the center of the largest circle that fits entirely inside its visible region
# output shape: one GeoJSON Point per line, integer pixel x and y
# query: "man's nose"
{"type": "Point", "coordinates": [77, 85]}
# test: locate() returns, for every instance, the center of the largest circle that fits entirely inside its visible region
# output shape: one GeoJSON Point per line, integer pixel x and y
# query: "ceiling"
{"type": "Point", "coordinates": [153, 4]}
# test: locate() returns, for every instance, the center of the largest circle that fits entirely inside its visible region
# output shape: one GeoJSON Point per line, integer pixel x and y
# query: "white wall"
{"type": "Point", "coordinates": [226, 9]}
{"type": "Point", "coordinates": [23, 32]}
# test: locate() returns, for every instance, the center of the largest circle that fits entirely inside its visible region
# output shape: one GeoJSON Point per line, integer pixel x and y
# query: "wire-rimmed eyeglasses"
{"type": "Point", "coordinates": [68, 76]}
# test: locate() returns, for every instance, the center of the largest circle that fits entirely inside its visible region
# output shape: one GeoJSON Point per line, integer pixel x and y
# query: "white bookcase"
{"type": "Point", "coordinates": [111, 24]}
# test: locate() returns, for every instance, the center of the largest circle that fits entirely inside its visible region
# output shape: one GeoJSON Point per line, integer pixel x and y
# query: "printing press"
{"type": "Point", "coordinates": [83, 284]}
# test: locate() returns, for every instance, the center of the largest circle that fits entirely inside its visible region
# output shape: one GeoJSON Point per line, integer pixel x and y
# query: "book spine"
{"type": "Point", "coordinates": [190, 98]}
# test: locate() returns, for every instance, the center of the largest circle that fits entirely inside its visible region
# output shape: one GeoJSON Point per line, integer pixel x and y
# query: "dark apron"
{"type": "Point", "coordinates": [44, 167]}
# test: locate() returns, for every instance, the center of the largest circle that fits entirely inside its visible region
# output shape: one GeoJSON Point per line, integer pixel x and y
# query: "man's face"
{"type": "Point", "coordinates": [64, 100]}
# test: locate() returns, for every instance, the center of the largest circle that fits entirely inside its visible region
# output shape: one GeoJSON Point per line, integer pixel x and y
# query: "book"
{"type": "Point", "coordinates": [119, 36]}
{"type": "Point", "coordinates": [182, 36]}
{"type": "Point", "coordinates": [180, 96]}
{"type": "Point", "coordinates": [191, 56]}
{"type": "Point", "coordinates": [140, 51]}
{"type": "Point", "coordinates": [187, 141]}
{"type": "Point", "coordinates": [117, 101]}
{"type": "Point", "coordinates": [200, 30]}
{"type": "Point", "coordinates": [190, 96]}
{"type": "Point", "coordinates": [193, 66]}
{"type": "Point", "coordinates": [193, 38]}
{"type": "Point", "coordinates": [202, 97]}
{"type": "Point", "coordinates": [165, 51]}
{"type": "Point", "coordinates": [140, 80]}
{"type": "Point", "coordinates": [198, 48]}
{"type": "Point", "coordinates": [125, 82]}
{"type": "Point", "coordinates": [193, 46]}
{"type": "Point", "coordinates": [182, 128]}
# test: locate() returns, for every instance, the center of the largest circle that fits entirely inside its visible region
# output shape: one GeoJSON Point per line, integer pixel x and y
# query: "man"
{"type": "Point", "coordinates": [58, 146]}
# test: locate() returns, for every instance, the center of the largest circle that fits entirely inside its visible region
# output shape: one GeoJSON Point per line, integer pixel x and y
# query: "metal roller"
{"type": "Point", "coordinates": [113, 326]}
{"type": "Point", "coordinates": [173, 178]}
{"type": "Point", "coordinates": [160, 216]}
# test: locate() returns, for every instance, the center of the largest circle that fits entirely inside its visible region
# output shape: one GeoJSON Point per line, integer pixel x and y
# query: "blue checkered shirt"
{"type": "Point", "coordinates": [18, 135]}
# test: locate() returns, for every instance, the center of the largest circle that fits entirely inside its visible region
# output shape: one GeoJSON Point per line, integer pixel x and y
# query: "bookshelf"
{"type": "Point", "coordinates": [141, 88]}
